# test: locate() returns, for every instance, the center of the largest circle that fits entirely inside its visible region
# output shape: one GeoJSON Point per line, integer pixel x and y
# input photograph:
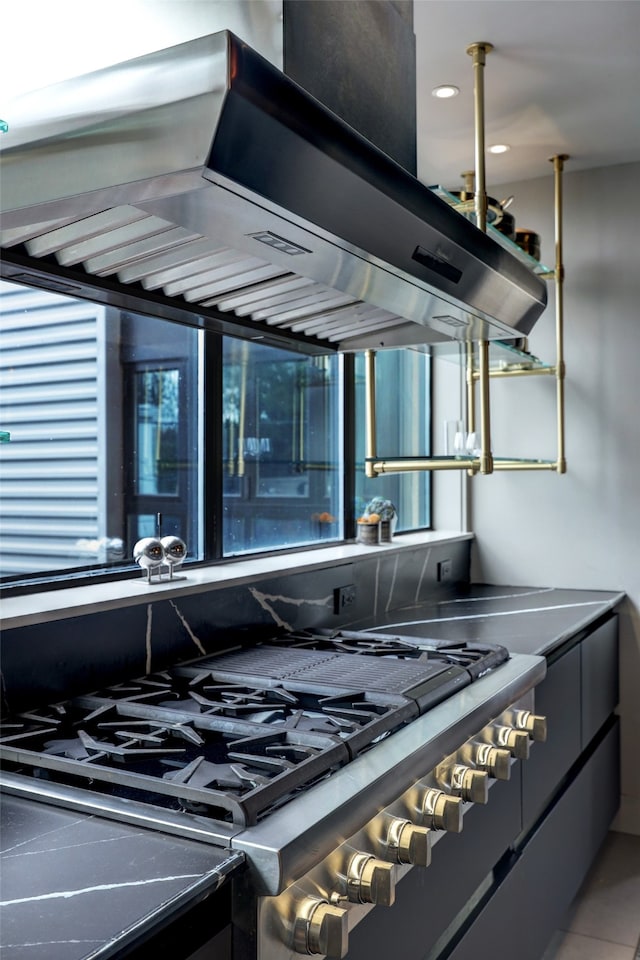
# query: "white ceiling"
{"type": "Point", "coordinates": [563, 77]}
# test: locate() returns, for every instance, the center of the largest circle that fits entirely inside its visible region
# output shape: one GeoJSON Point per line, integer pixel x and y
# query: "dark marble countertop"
{"type": "Point", "coordinates": [534, 620]}
{"type": "Point", "coordinates": [74, 886]}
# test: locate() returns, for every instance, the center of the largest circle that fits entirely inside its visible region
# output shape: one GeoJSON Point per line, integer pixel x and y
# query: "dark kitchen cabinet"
{"type": "Point", "coordinates": [502, 886]}
{"type": "Point", "coordinates": [599, 678]}
{"type": "Point", "coordinates": [570, 794]}
{"type": "Point", "coordinates": [578, 694]}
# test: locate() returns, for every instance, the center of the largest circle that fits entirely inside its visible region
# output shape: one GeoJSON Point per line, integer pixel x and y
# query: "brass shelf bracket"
{"type": "Point", "coordinates": [559, 369]}
{"type": "Point", "coordinates": [371, 453]}
{"type": "Point", "coordinates": [375, 466]}
{"type": "Point", "coordinates": [481, 374]}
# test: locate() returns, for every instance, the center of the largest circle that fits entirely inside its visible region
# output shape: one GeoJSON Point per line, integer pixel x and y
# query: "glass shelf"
{"type": "Point", "coordinates": [523, 460]}
{"type": "Point", "coordinates": [523, 463]}
{"type": "Point", "coordinates": [467, 209]}
{"type": "Point", "coordinates": [418, 459]}
{"type": "Point", "coordinates": [504, 357]}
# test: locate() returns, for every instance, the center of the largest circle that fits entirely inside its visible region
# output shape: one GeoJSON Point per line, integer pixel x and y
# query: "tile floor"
{"type": "Point", "coordinates": [603, 923]}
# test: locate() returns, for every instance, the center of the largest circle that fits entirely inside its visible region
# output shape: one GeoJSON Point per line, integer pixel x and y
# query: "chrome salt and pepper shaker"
{"type": "Point", "coordinates": [175, 551]}
{"type": "Point", "coordinates": [149, 554]}
{"type": "Point", "coordinates": [158, 555]}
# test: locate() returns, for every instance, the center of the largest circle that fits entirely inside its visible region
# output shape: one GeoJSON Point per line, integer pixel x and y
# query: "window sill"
{"type": "Point", "coordinates": [47, 606]}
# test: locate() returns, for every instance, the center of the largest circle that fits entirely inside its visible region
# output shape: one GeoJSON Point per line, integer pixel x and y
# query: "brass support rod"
{"type": "Point", "coordinates": [486, 458]}
{"type": "Point", "coordinates": [478, 52]}
{"type": "Point", "coordinates": [370, 416]}
{"type": "Point", "coordinates": [472, 376]}
{"type": "Point", "coordinates": [471, 394]}
{"type": "Point", "coordinates": [422, 466]}
{"type": "Point", "coordinates": [558, 165]}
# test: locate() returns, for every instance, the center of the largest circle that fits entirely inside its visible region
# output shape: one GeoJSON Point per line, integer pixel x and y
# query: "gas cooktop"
{"type": "Point", "coordinates": [235, 735]}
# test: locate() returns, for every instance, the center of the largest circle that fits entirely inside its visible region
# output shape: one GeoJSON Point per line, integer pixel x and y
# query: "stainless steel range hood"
{"type": "Point", "coordinates": [203, 176]}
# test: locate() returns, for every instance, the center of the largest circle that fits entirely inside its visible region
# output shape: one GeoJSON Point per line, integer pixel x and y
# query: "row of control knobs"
{"type": "Point", "coordinates": [321, 924]}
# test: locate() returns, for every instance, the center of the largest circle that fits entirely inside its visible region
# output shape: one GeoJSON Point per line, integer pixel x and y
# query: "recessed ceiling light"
{"type": "Point", "coordinates": [499, 148]}
{"type": "Point", "coordinates": [445, 90]}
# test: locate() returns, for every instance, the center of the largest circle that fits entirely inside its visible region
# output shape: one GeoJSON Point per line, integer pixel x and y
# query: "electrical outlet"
{"type": "Point", "coordinates": [344, 597]}
{"type": "Point", "coordinates": [444, 570]}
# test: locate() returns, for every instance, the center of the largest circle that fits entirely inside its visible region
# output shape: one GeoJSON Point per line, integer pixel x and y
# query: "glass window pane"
{"type": "Point", "coordinates": [103, 411]}
{"type": "Point", "coordinates": [156, 412]}
{"type": "Point", "coordinates": [282, 443]}
{"type": "Point", "coordinates": [403, 430]}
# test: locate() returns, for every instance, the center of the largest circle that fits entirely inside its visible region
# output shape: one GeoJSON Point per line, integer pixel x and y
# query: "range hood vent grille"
{"type": "Point", "coordinates": [126, 244]}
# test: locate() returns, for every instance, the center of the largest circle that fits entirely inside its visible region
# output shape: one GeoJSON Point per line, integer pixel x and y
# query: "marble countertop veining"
{"type": "Point", "coordinates": [534, 620]}
{"type": "Point", "coordinates": [74, 886]}
{"type": "Point", "coordinates": [46, 606]}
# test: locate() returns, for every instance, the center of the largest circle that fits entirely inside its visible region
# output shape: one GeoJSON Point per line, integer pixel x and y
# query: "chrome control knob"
{"type": "Point", "coordinates": [515, 741]}
{"type": "Point", "coordinates": [469, 784]}
{"type": "Point", "coordinates": [440, 811]}
{"type": "Point", "coordinates": [407, 843]}
{"type": "Point", "coordinates": [533, 724]}
{"type": "Point", "coordinates": [370, 880]}
{"type": "Point", "coordinates": [321, 928]}
{"type": "Point", "coordinates": [495, 760]}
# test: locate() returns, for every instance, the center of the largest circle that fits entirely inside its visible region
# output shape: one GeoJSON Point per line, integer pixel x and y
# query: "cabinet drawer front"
{"type": "Point", "coordinates": [600, 684]}
{"type": "Point", "coordinates": [558, 699]}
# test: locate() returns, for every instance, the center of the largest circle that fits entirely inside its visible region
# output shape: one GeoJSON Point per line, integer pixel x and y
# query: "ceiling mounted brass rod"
{"type": "Point", "coordinates": [558, 166]}
{"type": "Point", "coordinates": [478, 52]}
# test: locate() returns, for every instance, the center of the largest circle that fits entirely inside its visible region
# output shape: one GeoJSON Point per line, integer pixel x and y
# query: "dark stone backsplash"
{"type": "Point", "coordinates": [48, 662]}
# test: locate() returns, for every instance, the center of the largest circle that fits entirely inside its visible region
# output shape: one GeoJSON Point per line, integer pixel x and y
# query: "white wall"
{"type": "Point", "coordinates": [582, 529]}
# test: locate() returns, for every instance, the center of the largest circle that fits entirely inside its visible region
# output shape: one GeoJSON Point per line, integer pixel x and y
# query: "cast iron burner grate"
{"type": "Point", "coordinates": [357, 716]}
{"type": "Point", "coordinates": [220, 768]}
